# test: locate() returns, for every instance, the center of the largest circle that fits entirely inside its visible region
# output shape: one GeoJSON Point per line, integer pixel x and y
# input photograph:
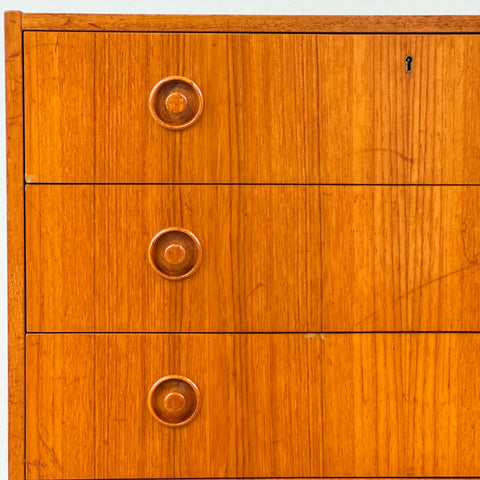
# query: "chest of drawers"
{"type": "Point", "coordinates": [243, 247]}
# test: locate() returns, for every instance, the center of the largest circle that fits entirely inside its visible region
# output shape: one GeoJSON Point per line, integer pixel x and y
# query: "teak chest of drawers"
{"type": "Point", "coordinates": [243, 246]}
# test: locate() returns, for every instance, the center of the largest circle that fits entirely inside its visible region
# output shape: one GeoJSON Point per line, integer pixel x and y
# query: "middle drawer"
{"type": "Point", "coordinates": [274, 258]}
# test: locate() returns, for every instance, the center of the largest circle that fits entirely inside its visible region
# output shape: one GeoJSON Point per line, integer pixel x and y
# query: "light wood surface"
{"type": "Point", "coordinates": [284, 108]}
{"type": "Point", "coordinates": [400, 258]}
{"type": "Point", "coordinates": [65, 249]}
{"type": "Point", "coordinates": [62, 72]}
{"type": "Point", "coordinates": [272, 405]}
{"type": "Point", "coordinates": [275, 258]}
{"type": "Point", "coordinates": [254, 23]}
{"type": "Point", "coordinates": [330, 190]}
{"type": "Point", "coordinates": [15, 245]}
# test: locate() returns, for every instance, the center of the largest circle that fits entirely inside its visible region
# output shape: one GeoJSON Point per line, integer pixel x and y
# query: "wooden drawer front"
{"type": "Point", "coordinates": [279, 108]}
{"type": "Point", "coordinates": [271, 405]}
{"type": "Point", "coordinates": [275, 258]}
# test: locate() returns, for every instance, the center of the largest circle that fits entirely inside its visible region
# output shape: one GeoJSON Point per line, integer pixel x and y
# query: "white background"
{"type": "Point", "coordinates": [269, 7]}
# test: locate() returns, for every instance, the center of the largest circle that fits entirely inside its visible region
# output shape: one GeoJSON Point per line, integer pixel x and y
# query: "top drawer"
{"type": "Point", "coordinates": [278, 108]}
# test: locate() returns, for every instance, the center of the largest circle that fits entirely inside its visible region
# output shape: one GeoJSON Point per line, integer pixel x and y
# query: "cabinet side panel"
{"type": "Point", "coordinates": [15, 237]}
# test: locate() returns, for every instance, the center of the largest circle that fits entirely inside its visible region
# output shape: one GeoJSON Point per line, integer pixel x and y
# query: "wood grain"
{"type": "Point", "coordinates": [401, 403]}
{"type": "Point", "coordinates": [59, 106]}
{"type": "Point", "coordinates": [273, 405]}
{"type": "Point", "coordinates": [296, 108]}
{"type": "Point", "coordinates": [66, 242]}
{"type": "Point", "coordinates": [88, 270]}
{"type": "Point", "coordinates": [400, 258]}
{"type": "Point", "coordinates": [15, 245]}
{"type": "Point", "coordinates": [254, 23]}
{"type": "Point", "coordinates": [70, 452]}
{"type": "Point", "coordinates": [275, 258]}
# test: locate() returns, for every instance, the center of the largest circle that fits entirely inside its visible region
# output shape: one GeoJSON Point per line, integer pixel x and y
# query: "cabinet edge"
{"type": "Point", "coordinates": [15, 244]}
{"type": "Point", "coordinates": [254, 23]}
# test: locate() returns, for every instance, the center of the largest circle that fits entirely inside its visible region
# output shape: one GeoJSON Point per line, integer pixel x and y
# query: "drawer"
{"type": "Point", "coordinates": [269, 405]}
{"type": "Point", "coordinates": [278, 108]}
{"type": "Point", "coordinates": [273, 258]}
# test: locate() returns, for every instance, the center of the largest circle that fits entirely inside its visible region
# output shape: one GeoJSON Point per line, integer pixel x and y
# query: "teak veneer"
{"type": "Point", "coordinates": [272, 405]}
{"type": "Point", "coordinates": [279, 108]}
{"type": "Point", "coordinates": [243, 246]}
{"type": "Point", "coordinates": [275, 258]}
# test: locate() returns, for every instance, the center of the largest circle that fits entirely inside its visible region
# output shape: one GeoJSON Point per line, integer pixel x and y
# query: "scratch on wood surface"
{"type": "Point", "coordinates": [35, 464]}
{"type": "Point", "coordinates": [51, 452]}
{"type": "Point", "coordinates": [473, 259]}
{"type": "Point", "coordinates": [386, 150]}
{"type": "Point", "coordinates": [416, 289]}
{"type": "Point", "coordinates": [255, 288]}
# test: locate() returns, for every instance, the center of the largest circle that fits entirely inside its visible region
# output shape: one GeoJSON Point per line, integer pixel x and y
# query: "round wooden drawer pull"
{"type": "Point", "coordinates": [174, 400]}
{"type": "Point", "coordinates": [175, 253]}
{"type": "Point", "coordinates": [176, 102]}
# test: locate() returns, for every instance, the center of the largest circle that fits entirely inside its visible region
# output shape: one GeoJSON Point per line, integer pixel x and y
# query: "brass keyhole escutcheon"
{"type": "Point", "coordinates": [408, 63]}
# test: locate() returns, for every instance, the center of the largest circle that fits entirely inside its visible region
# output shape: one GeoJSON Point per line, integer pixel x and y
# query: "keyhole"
{"type": "Point", "coordinates": [408, 63]}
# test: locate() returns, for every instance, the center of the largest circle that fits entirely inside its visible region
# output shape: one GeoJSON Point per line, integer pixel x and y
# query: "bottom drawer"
{"type": "Point", "coordinates": [281, 405]}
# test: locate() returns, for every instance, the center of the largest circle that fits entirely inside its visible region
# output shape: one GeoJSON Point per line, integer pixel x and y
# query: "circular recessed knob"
{"type": "Point", "coordinates": [175, 253]}
{"type": "Point", "coordinates": [176, 102]}
{"type": "Point", "coordinates": [174, 400]}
